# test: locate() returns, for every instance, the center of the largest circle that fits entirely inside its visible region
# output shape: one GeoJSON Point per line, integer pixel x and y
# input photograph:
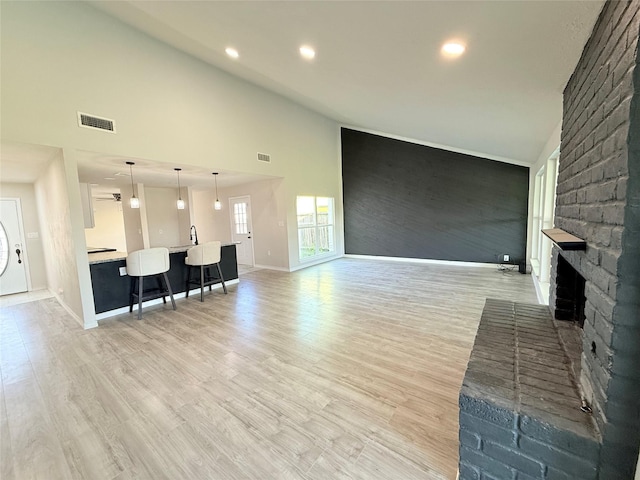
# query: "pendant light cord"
{"type": "Point", "coordinates": [133, 194]}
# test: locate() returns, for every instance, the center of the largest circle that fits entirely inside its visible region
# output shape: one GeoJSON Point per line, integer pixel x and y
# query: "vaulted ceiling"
{"type": "Point", "coordinates": [378, 65]}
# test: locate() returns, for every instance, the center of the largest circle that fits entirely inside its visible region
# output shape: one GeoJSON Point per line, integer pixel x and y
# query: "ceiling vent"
{"type": "Point", "coordinates": [91, 121]}
{"type": "Point", "coordinates": [264, 157]}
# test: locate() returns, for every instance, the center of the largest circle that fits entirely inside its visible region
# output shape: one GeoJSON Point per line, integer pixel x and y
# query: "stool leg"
{"type": "Point", "coordinates": [159, 281]}
{"type": "Point", "coordinates": [166, 280]}
{"type": "Point", "coordinates": [209, 276]}
{"type": "Point", "coordinates": [224, 287]}
{"type": "Point", "coordinates": [202, 283]}
{"type": "Point", "coordinates": [186, 285]}
{"type": "Point", "coordinates": [132, 289]}
{"type": "Point", "coordinates": [140, 297]}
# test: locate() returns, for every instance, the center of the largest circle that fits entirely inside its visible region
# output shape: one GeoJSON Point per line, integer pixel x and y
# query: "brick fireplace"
{"type": "Point", "coordinates": [520, 415]}
{"type": "Point", "coordinates": [569, 293]}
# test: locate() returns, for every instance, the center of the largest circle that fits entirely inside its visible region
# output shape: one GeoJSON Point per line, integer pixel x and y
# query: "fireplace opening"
{"type": "Point", "coordinates": [570, 299]}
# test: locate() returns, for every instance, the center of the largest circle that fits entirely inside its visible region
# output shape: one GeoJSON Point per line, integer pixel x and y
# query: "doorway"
{"type": "Point", "coordinates": [13, 272]}
{"type": "Point", "coordinates": [240, 209]}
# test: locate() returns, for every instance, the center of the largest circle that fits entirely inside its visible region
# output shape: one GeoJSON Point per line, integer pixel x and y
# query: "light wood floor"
{"type": "Point", "coordinates": [347, 370]}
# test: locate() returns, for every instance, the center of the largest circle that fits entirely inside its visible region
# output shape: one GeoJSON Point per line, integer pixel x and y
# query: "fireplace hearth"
{"type": "Point", "coordinates": [596, 287]}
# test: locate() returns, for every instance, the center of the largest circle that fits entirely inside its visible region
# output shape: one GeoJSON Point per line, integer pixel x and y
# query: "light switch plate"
{"type": "Point", "coordinates": [123, 271]}
{"type": "Point", "coordinates": [32, 235]}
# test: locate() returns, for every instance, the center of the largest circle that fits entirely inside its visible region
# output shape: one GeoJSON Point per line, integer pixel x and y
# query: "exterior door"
{"type": "Point", "coordinates": [240, 212]}
{"type": "Point", "coordinates": [13, 273]}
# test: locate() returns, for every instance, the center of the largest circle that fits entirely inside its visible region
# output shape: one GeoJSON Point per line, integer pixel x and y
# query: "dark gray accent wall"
{"type": "Point", "coordinates": [408, 200]}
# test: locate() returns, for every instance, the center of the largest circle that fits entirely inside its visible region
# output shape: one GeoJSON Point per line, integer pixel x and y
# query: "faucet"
{"type": "Point", "coordinates": [193, 235]}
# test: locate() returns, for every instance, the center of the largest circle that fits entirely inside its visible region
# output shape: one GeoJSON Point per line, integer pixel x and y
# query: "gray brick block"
{"type": "Point", "coordinates": [487, 430]}
{"type": "Point", "coordinates": [468, 472]}
{"type": "Point", "coordinates": [609, 260]}
{"type": "Point", "coordinates": [585, 468]}
{"type": "Point", "coordinates": [513, 458]}
{"type": "Point", "coordinates": [553, 474]}
{"type": "Point", "coordinates": [484, 410]}
{"type": "Point", "coordinates": [468, 438]}
{"type": "Point", "coordinates": [485, 464]}
{"type": "Point", "coordinates": [559, 438]}
{"type": "Point", "coordinates": [524, 476]}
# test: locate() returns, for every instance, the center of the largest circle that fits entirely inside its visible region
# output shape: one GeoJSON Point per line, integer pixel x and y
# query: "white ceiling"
{"type": "Point", "coordinates": [21, 163]}
{"type": "Point", "coordinates": [378, 67]}
{"type": "Point", "coordinates": [24, 163]}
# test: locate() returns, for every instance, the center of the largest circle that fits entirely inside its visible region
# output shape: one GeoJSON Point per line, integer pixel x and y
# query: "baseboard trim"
{"type": "Point", "coordinates": [538, 287]}
{"type": "Point", "coordinates": [315, 262]}
{"type": "Point", "coordinates": [120, 311]}
{"type": "Point", "coordinates": [451, 263]}
{"type": "Point", "coordinates": [64, 305]}
{"type": "Point", "coordinates": [271, 267]}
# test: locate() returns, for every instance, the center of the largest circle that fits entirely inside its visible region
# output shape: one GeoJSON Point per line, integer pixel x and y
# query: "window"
{"type": "Point", "coordinates": [240, 218]}
{"type": "Point", "coordinates": [543, 217]}
{"type": "Point", "coordinates": [315, 226]}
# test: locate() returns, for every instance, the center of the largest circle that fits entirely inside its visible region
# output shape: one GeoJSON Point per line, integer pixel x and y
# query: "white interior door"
{"type": "Point", "coordinates": [240, 213]}
{"type": "Point", "coordinates": [13, 274]}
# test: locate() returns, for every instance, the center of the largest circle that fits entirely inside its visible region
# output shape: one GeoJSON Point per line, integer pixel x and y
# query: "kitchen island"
{"type": "Point", "coordinates": [111, 287]}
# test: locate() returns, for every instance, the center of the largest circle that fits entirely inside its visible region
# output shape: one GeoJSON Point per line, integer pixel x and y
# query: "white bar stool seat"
{"type": "Point", "coordinates": [204, 256]}
{"type": "Point", "coordinates": [145, 263]}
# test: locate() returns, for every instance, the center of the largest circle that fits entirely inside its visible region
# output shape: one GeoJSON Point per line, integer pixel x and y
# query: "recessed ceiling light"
{"type": "Point", "coordinates": [453, 49]}
{"type": "Point", "coordinates": [307, 52]}
{"type": "Point", "coordinates": [232, 52]}
{"type": "Point", "coordinates": [109, 178]}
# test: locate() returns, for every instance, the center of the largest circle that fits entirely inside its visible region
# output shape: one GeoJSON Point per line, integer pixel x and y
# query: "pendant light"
{"type": "Point", "coordinates": [180, 202]}
{"type": "Point", "coordinates": [217, 204]}
{"type": "Point", "coordinates": [134, 201]}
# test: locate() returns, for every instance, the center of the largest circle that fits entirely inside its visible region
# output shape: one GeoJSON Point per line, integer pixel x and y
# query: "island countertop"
{"type": "Point", "coordinates": [102, 257]}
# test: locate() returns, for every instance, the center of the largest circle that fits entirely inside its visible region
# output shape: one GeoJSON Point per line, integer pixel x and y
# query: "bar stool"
{"type": "Point", "coordinates": [204, 256]}
{"type": "Point", "coordinates": [145, 263]}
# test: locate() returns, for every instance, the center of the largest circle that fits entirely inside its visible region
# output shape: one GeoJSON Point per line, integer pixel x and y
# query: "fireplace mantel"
{"type": "Point", "coordinates": [565, 240]}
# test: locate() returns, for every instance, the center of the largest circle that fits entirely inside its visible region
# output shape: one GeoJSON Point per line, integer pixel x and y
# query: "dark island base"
{"type": "Point", "coordinates": [111, 291]}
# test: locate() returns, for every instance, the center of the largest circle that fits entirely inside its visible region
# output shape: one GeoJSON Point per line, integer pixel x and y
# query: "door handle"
{"type": "Point", "coordinates": [18, 252]}
{"type": "Point", "coordinates": [248, 237]}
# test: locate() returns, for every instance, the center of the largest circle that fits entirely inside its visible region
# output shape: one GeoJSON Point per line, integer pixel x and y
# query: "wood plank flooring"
{"type": "Point", "coordinates": [346, 370]}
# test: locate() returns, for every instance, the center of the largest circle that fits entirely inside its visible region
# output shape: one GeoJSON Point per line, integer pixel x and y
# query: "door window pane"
{"type": "Point", "coordinates": [240, 218]}
{"type": "Point", "coordinates": [4, 249]}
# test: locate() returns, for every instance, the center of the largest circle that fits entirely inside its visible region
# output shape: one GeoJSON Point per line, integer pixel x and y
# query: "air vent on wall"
{"type": "Point", "coordinates": [91, 121]}
{"type": "Point", "coordinates": [264, 157]}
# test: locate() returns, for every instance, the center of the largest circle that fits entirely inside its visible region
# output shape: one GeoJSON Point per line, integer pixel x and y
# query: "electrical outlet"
{"type": "Point", "coordinates": [123, 271]}
{"type": "Point", "coordinates": [269, 252]}
{"type": "Point", "coordinates": [505, 258]}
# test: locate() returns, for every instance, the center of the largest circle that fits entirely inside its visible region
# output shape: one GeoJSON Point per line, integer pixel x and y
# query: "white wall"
{"type": "Point", "coordinates": [134, 218]}
{"type": "Point", "coordinates": [35, 253]}
{"type": "Point", "coordinates": [109, 226]}
{"type": "Point", "coordinates": [268, 215]}
{"type": "Point", "coordinates": [168, 226]}
{"type": "Point", "coordinates": [60, 213]}
{"type": "Point", "coordinates": [211, 224]}
{"type": "Point", "coordinates": [60, 57]}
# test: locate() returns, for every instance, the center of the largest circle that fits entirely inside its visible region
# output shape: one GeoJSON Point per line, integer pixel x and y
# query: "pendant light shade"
{"type": "Point", "coordinates": [134, 201]}
{"type": "Point", "coordinates": [180, 202]}
{"type": "Point", "coordinates": [217, 205]}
